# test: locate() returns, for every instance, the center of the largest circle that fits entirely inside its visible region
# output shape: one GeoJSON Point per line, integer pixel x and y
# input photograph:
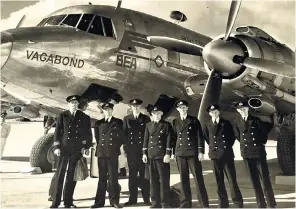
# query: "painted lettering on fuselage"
{"type": "Point", "coordinates": [126, 61]}
{"type": "Point", "coordinates": [194, 41]}
{"type": "Point", "coordinates": [54, 59]}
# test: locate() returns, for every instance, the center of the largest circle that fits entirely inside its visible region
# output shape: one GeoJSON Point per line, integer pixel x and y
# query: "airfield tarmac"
{"type": "Point", "coordinates": [24, 190]}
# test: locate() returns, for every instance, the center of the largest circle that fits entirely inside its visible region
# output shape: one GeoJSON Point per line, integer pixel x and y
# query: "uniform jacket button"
{"type": "Point", "coordinates": [214, 136]}
{"type": "Point", "coordinates": [180, 133]}
{"type": "Point", "coordinates": [245, 139]}
{"type": "Point", "coordinates": [224, 146]}
{"type": "Point", "coordinates": [222, 135]}
{"type": "Point", "coordinates": [215, 142]}
{"type": "Point", "coordinates": [187, 132]}
{"type": "Point", "coordinates": [189, 144]}
{"type": "Point", "coordinates": [103, 139]}
{"type": "Point", "coordinates": [151, 147]}
{"type": "Point", "coordinates": [131, 142]}
{"type": "Point", "coordinates": [151, 142]}
{"type": "Point", "coordinates": [246, 145]}
{"type": "Point", "coordinates": [216, 147]}
{"type": "Point", "coordinates": [110, 144]}
{"type": "Point", "coordinates": [159, 141]}
{"type": "Point", "coordinates": [243, 134]}
{"type": "Point", "coordinates": [159, 146]}
{"type": "Point", "coordinates": [158, 136]}
{"type": "Point", "coordinates": [140, 142]}
{"type": "Point", "coordinates": [252, 133]}
{"type": "Point", "coordinates": [254, 144]}
{"type": "Point", "coordinates": [102, 144]}
{"type": "Point", "coordinates": [223, 141]}
{"type": "Point", "coordinates": [180, 144]}
{"type": "Point", "coordinates": [253, 139]}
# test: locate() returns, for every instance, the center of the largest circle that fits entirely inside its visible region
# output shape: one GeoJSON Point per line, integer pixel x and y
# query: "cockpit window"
{"type": "Point", "coordinates": [108, 27]}
{"type": "Point", "coordinates": [71, 20]}
{"type": "Point", "coordinates": [43, 21]}
{"type": "Point", "coordinates": [88, 23]}
{"type": "Point", "coordinates": [54, 20]}
{"type": "Point", "coordinates": [85, 21]}
{"type": "Point", "coordinates": [96, 27]}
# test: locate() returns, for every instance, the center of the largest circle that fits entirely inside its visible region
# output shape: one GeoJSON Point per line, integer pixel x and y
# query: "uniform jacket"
{"type": "Point", "coordinates": [252, 135]}
{"type": "Point", "coordinates": [73, 133]}
{"type": "Point", "coordinates": [188, 137]}
{"type": "Point", "coordinates": [157, 139]}
{"type": "Point", "coordinates": [220, 138]}
{"type": "Point", "coordinates": [134, 130]}
{"type": "Point", "coordinates": [109, 137]}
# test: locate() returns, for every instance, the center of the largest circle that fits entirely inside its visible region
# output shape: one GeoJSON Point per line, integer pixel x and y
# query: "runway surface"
{"type": "Point", "coordinates": [23, 190]}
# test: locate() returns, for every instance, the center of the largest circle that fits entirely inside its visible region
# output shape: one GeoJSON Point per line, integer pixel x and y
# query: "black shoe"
{"type": "Point", "coordinates": [70, 206]}
{"type": "Point", "coordinates": [50, 198]}
{"type": "Point", "coordinates": [148, 203]}
{"type": "Point", "coordinates": [129, 203]}
{"type": "Point", "coordinates": [53, 206]}
{"type": "Point", "coordinates": [97, 205]}
{"type": "Point", "coordinates": [117, 206]}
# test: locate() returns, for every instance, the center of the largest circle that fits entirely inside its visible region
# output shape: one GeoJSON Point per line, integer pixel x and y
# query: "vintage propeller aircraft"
{"type": "Point", "coordinates": [112, 54]}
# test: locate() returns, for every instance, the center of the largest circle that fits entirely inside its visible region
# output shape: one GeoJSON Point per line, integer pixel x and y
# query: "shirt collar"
{"type": "Point", "coordinates": [183, 117]}
{"type": "Point", "coordinates": [108, 119]}
{"type": "Point", "coordinates": [216, 120]}
{"type": "Point", "coordinates": [136, 115]}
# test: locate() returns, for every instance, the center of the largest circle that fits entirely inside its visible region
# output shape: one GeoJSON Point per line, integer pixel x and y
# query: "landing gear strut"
{"type": "Point", "coordinates": [42, 155]}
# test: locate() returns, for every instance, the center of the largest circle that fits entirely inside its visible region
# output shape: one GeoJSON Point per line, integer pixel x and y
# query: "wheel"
{"type": "Point", "coordinates": [286, 150]}
{"type": "Point", "coordinates": [42, 153]}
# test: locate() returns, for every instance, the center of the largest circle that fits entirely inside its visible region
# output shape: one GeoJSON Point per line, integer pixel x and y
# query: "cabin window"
{"type": "Point", "coordinates": [85, 21]}
{"type": "Point", "coordinates": [71, 20]}
{"type": "Point", "coordinates": [54, 20]}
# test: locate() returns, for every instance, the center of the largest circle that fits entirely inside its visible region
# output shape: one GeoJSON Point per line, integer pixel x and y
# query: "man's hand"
{"type": "Point", "coordinates": [86, 151]}
{"type": "Point", "coordinates": [144, 158]}
{"type": "Point", "coordinates": [57, 152]}
{"type": "Point", "coordinates": [200, 156]}
{"type": "Point", "coordinates": [166, 159]}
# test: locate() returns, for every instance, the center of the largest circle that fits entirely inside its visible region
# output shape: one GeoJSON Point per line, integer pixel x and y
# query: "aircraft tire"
{"type": "Point", "coordinates": [39, 153]}
{"type": "Point", "coordinates": [286, 150]}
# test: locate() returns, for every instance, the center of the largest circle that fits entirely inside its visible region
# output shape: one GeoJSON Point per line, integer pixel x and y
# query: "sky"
{"type": "Point", "coordinates": [277, 18]}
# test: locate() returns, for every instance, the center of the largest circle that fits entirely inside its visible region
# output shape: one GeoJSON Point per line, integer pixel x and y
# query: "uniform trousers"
{"type": "Point", "coordinates": [185, 163]}
{"type": "Point", "coordinates": [159, 183]}
{"type": "Point", "coordinates": [227, 167]}
{"type": "Point", "coordinates": [71, 161]}
{"type": "Point", "coordinates": [108, 168]}
{"type": "Point", "coordinates": [258, 170]}
{"type": "Point", "coordinates": [135, 166]}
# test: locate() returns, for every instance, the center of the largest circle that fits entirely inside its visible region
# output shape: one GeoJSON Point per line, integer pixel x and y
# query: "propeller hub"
{"type": "Point", "coordinates": [219, 54]}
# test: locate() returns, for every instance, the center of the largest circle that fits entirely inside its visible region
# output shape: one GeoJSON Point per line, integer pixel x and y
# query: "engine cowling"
{"type": "Point", "coordinates": [26, 112]}
{"type": "Point", "coordinates": [265, 107]}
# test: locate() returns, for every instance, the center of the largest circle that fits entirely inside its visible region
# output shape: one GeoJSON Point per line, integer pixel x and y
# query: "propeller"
{"type": "Point", "coordinates": [234, 8]}
{"type": "Point", "coordinates": [268, 66]}
{"type": "Point", "coordinates": [211, 95]}
{"type": "Point", "coordinates": [214, 58]}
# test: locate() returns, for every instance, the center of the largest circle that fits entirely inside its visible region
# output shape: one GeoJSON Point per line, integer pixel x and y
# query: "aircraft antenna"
{"type": "Point", "coordinates": [118, 4]}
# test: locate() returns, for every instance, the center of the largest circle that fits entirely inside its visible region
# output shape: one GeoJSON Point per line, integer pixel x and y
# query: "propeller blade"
{"type": "Point", "coordinates": [210, 96]}
{"type": "Point", "coordinates": [176, 45]}
{"type": "Point", "coordinates": [269, 66]}
{"type": "Point", "coordinates": [21, 21]}
{"type": "Point", "coordinates": [234, 8]}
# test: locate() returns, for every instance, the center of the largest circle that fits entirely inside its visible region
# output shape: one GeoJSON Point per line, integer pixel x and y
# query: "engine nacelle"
{"type": "Point", "coordinates": [266, 107]}
{"type": "Point", "coordinates": [26, 112]}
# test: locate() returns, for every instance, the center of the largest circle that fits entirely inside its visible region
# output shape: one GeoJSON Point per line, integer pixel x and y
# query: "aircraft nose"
{"type": "Point", "coordinates": [6, 46]}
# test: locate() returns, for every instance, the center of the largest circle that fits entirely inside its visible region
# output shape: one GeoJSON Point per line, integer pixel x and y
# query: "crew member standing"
{"type": "Point", "coordinates": [252, 134]}
{"type": "Point", "coordinates": [220, 137]}
{"type": "Point", "coordinates": [72, 136]}
{"type": "Point", "coordinates": [109, 136]}
{"type": "Point", "coordinates": [134, 129]}
{"type": "Point", "coordinates": [157, 148]}
{"type": "Point", "coordinates": [5, 131]}
{"type": "Point", "coordinates": [189, 150]}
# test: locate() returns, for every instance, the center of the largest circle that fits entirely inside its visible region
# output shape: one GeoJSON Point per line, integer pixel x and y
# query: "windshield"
{"type": "Point", "coordinates": [89, 23]}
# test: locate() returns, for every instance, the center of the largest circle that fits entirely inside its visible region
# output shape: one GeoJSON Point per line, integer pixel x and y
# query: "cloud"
{"type": "Point", "coordinates": [277, 18]}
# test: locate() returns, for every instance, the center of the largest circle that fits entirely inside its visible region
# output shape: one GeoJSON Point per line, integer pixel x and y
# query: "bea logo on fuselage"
{"type": "Point", "coordinates": [54, 59]}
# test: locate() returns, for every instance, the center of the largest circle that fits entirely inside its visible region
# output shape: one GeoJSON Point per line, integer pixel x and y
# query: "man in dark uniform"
{"type": "Point", "coordinates": [189, 149]}
{"type": "Point", "coordinates": [220, 137]}
{"type": "Point", "coordinates": [134, 129]}
{"type": "Point", "coordinates": [157, 148]}
{"type": "Point", "coordinates": [72, 136]}
{"type": "Point", "coordinates": [109, 136]}
{"type": "Point", "coordinates": [252, 134]}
